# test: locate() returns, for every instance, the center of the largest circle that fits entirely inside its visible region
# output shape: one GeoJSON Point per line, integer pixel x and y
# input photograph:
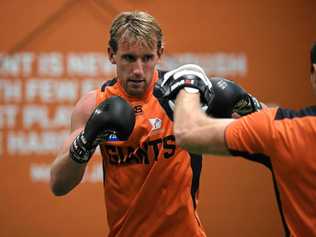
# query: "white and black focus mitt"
{"type": "Point", "coordinates": [189, 77]}
{"type": "Point", "coordinates": [220, 97]}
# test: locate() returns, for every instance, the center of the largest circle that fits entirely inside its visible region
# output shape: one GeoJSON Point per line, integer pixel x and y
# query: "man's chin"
{"type": "Point", "coordinates": [136, 92]}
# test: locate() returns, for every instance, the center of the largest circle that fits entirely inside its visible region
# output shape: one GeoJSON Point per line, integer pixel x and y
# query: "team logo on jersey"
{"type": "Point", "coordinates": [146, 153]}
{"type": "Point", "coordinates": [138, 109]}
{"type": "Point", "coordinates": [155, 123]}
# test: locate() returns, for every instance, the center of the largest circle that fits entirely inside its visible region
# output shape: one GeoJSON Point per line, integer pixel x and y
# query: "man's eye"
{"type": "Point", "coordinates": [129, 58]}
{"type": "Point", "coordinates": [148, 58]}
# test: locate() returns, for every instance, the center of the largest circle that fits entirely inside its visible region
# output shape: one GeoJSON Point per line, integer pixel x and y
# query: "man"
{"type": "Point", "coordinates": [150, 183]}
{"type": "Point", "coordinates": [282, 139]}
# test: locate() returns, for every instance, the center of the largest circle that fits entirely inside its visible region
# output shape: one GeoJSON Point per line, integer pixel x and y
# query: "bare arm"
{"type": "Point", "coordinates": [66, 173]}
{"type": "Point", "coordinates": [194, 130]}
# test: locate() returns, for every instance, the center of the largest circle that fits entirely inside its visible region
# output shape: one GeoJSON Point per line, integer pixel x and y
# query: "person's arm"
{"type": "Point", "coordinates": [112, 117]}
{"type": "Point", "coordinates": [65, 172]}
{"type": "Point", "coordinates": [194, 130]}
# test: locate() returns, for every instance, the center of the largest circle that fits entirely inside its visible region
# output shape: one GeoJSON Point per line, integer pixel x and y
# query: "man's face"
{"type": "Point", "coordinates": [135, 65]}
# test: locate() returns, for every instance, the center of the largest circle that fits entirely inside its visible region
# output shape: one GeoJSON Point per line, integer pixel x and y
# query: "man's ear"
{"type": "Point", "coordinates": [111, 55]}
{"type": "Point", "coordinates": [160, 52]}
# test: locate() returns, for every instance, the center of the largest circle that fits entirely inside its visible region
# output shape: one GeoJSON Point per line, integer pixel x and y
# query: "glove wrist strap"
{"type": "Point", "coordinates": [80, 150]}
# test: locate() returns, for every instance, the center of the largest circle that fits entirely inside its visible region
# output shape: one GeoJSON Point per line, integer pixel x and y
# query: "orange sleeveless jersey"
{"type": "Point", "coordinates": [150, 184]}
{"type": "Point", "coordinates": [285, 141]}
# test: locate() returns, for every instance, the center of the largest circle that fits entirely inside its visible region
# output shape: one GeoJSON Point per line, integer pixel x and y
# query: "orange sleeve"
{"type": "Point", "coordinates": [253, 133]}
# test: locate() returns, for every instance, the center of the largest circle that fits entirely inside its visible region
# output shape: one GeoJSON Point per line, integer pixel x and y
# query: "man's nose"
{"type": "Point", "coordinates": [138, 67]}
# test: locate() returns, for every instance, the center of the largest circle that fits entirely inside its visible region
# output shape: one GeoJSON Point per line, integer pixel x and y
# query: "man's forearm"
{"type": "Point", "coordinates": [65, 174]}
{"type": "Point", "coordinates": [194, 130]}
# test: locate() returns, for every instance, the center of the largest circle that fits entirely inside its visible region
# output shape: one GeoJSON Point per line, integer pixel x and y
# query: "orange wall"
{"type": "Point", "coordinates": [236, 197]}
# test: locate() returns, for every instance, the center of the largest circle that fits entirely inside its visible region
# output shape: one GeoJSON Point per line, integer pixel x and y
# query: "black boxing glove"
{"type": "Point", "coordinates": [230, 98]}
{"type": "Point", "coordinates": [189, 77]}
{"type": "Point", "coordinates": [112, 118]}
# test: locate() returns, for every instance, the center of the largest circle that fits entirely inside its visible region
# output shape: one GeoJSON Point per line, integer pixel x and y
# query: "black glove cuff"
{"type": "Point", "coordinates": [80, 150]}
{"type": "Point", "coordinates": [247, 105]}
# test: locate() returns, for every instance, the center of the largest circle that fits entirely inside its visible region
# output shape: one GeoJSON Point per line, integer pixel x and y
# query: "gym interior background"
{"type": "Point", "coordinates": [53, 51]}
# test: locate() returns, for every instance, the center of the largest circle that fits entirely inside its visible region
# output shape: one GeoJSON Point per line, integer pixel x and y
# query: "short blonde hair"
{"type": "Point", "coordinates": [137, 25]}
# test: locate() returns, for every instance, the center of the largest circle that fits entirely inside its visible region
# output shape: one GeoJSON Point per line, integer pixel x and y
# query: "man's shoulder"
{"type": "Point", "coordinates": [86, 103]}
{"type": "Point", "coordinates": [83, 109]}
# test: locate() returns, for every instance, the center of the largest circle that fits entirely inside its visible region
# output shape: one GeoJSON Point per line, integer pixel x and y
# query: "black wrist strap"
{"type": "Point", "coordinates": [80, 150]}
{"type": "Point", "coordinates": [247, 105]}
